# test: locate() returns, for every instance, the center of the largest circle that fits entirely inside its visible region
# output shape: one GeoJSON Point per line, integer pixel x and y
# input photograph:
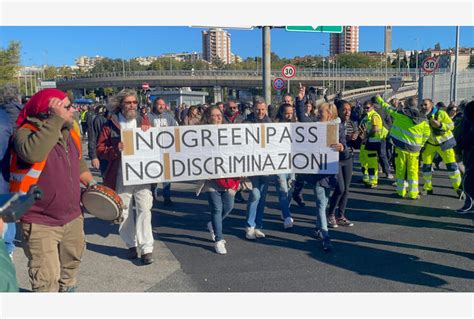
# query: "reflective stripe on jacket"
{"type": "Point", "coordinates": [22, 178]}
{"type": "Point", "coordinates": [405, 133]}
{"type": "Point", "coordinates": [443, 135]}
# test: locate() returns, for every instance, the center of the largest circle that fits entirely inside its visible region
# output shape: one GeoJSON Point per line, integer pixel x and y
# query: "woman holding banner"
{"type": "Point", "coordinates": [220, 192]}
{"type": "Point", "coordinates": [322, 182]}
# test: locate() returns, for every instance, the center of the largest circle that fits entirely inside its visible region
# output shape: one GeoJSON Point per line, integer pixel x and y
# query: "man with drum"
{"type": "Point", "coordinates": [135, 232]}
{"type": "Point", "coordinates": [47, 152]}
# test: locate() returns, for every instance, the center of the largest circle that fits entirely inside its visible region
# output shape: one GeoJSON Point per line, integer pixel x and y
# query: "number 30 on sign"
{"type": "Point", "coordinates": [288, 71]}
{"type": "Point", "coordinates": [430, 65]}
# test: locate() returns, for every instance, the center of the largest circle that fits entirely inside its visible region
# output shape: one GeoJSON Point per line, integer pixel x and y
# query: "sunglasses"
{"type": "Point", "coordinates": [70, 106]}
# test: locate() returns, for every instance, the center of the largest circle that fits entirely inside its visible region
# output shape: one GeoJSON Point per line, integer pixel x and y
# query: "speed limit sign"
{"type": "Point", "coordinates": [288, 71]}
{"type": "Point", "coordinates": [429, 65]}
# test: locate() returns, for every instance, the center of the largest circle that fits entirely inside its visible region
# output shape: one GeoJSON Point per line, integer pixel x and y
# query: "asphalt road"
{"type": "Point", "coordinates": [396, 245]}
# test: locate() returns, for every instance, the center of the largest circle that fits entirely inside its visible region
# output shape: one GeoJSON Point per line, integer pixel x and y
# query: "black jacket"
{"type": "Point", "coordinates": [93, 132]}
{"type": "Point", "coordinates": [12, 108]}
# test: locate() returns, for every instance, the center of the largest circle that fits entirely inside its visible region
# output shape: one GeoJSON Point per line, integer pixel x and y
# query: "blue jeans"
{"type": "Point", "coordinates": [256, 202]}
{"type": "Point", "coordinates": [221, 204]}
{"type": "Point", "coordinates": [284, 193]}
{"type": "Point", "coordinates": [322, 198]}
{"type": "Point", "coordinates": [9, 233]}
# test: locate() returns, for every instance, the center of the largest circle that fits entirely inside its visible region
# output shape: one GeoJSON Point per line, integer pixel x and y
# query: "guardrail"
{"type": "Point", "coordinates": [301, 73]}
{"type": "Point", "coordinates": [358, 93]}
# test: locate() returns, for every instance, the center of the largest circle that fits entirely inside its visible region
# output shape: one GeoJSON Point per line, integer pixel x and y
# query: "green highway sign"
{"type": "Point", "coordinates": [330, 29]}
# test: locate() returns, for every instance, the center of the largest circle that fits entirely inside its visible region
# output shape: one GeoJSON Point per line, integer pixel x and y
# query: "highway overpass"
{"type": "Point", "coordinates": [234, 79]}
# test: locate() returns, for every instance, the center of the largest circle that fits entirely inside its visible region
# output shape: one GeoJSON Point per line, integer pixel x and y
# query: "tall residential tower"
{"type": "Point", "coordinates": [216, 44]}
{"type": "Point", "coordinates": [345, 42]}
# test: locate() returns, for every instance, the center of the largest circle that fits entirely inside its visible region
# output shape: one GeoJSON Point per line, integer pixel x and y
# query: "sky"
{"type": "Point", "coordinates": [62, 45]}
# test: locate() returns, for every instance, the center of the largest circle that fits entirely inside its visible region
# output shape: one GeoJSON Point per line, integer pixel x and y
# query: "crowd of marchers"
{"type": "Point", "coordinates": [41, 144]}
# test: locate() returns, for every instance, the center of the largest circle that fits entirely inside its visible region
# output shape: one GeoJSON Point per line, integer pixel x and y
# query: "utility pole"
{"type": "Point", "coordinates": [455, 84]}
{"type": "Point", "coordinates": [323, 73]}
{"type": "Point", "coordinates": [322, 54]}
{"type": "Point", "coordinates": [266, 54]}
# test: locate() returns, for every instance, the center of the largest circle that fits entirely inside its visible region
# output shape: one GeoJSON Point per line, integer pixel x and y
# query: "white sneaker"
{"type": "Point", "coordinates": [250, 233]}
{"type": "Point", "coordinates": [259, 233]}
{"type": "Point", "coordinates": [211, 231]}
{"type": "Point", "coordinates": [11, 256]}
{"type": "Point", "coordinates": [288, 223]}
{"type": "Point", "coordinates": [390, 176]}
{"type": "Point", "coordinates": [220, 247]}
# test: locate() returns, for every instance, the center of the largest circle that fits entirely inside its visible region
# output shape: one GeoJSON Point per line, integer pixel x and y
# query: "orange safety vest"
{"type": "Point", "coordinates": [21, 179]}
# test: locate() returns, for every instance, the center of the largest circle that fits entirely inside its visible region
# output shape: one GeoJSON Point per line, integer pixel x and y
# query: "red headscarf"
{"type": "Point", "coordinates": [39, 103]}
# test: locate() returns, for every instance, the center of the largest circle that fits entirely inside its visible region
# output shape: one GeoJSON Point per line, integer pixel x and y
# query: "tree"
{"type": "Point", "coordinates": [438, 46]}
{"type": "Point", "coordinates": [357, 61]}
{"type": "Point", "coordinates": [196, 65]}
{"type": "Point", "coordinates": [50, 72]}
{"type": "Point", "coordinates": [277, 62]}
{"type": "Point", "coordinates": [217, 63]}
{"type": "Point", "coordinates": [134, 65]}
{"type": "Point", "coordinates": [65, 71]}
{"type": "Point", "coordinates": [156, 65]}
{"type": "Point", "coordinates": [108, 91]}
{"type": "Point", "coordinates": [308, 61]}
{"type": "Point", "coordinates": [471, 61]}
{"type": "Point", "coordinates": [9, 62]}
{"type": "Point", "coordinates": [91, 95]}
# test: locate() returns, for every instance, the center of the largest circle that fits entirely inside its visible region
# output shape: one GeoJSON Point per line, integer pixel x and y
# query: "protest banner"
{"type": "Point", "coordinates": [187, 153]}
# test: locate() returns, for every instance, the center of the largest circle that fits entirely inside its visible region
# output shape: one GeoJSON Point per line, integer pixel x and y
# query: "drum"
{"type": "Point", "coordinates": [103, 202]}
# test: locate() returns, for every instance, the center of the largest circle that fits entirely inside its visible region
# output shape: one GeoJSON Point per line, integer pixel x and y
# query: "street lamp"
{"type": "Point", "coordinates": [455, 80]}
{"type": "Point", "coordinates": [416, 60]}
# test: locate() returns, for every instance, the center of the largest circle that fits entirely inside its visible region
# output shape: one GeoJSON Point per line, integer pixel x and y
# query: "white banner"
{"type": "Point", "coordinates": [186, 153]}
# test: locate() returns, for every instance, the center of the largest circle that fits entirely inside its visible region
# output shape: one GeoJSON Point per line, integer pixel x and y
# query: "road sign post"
{"type": "Point", "coordinates": [429, 66]}
{"type": "Point", "coordinates": [288, 72]}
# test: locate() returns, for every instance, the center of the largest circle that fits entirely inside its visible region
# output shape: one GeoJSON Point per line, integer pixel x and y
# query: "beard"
{"type": "Point", "coordinates": [130, 114]}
